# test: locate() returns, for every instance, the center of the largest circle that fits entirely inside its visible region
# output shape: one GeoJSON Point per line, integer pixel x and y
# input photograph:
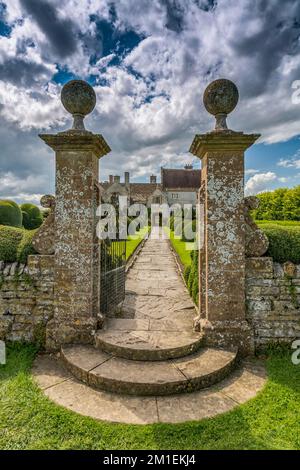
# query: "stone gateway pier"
{"type": "Point", "coordinates": [222, 252]}
{"type": "Point", "coordinates": [77, 248]}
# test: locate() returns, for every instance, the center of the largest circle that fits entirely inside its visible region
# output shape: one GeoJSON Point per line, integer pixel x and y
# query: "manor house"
{"type": "Point", "coordinates": [179, 186]}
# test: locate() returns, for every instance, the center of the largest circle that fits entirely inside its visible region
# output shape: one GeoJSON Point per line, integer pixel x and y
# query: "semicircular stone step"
{"type": "Point", "coordinates": [144, 340]}
{"type": "Point", "coordinates": [123, 376]}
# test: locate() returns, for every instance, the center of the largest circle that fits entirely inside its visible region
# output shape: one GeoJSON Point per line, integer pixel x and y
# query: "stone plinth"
{"type": "Point", "coordinates": [77, 249]}
{"type": "Point", "coordinates": [222, 257]}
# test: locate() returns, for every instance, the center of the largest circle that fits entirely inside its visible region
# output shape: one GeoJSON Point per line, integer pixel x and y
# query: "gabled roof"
{"type": "Point", "coordinates": [138, 192]}
{"type": "Point", "coordinates": [180, 178]}
{"type": "Point", "coordinates": [142, 191]}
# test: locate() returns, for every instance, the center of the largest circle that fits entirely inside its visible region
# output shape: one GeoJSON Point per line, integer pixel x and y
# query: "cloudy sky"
{"type": "Point", "coordinates": [149, 62]}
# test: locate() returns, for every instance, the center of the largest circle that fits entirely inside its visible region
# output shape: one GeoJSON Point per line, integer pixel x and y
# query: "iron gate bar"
{"type": "Point", "coordinates": [112, 279]}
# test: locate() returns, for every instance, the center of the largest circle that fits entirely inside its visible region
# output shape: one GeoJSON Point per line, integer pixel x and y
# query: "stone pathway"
{"type": "Point", "coordinates": [156, 321]}
{"type": "Point", "coordinates": [59, 385]}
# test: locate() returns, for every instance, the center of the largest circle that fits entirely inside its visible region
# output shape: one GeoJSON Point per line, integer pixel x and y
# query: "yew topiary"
{"type": "Point", "coordinates": [15, 244]}
{"type": "Point", "coordinates": [32, 216]}
{"type": "Point", "coordinates": [10, 213]}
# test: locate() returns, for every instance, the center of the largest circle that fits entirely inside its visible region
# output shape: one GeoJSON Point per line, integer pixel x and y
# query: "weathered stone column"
{"type": "Point", "coordinates": [77, 249]}
{"type": "Point", "coordinates": [222, 256]}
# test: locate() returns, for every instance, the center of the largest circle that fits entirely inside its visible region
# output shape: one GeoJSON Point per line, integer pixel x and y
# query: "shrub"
{"type": "Point", "coordinates": [195, 283]}
{"type": "Point", "coordinates": [25, 247]}
{"type": "Point", "coordinates": [284, 242]}
{"type": "Point", "coordinates": [186, 273]}
{"type": "Point", "coordinates": [15, 244]}
{"type": "Point", "coordinates": [192, 278]}
{"type": "Point", "coordinates": [10, 213]}
{"type": "Point", "coordinates": [10, 238]}
{"type": "Point", "coordinates": [189, 226]}
{"type": "Point", "coordinates": [195, 288]}
{"type": "Point", "coordinates": [281, 204]}
{"type": "Point", "coordinates": [172, 223]}
{"type": "Point", "coordinates": [32, 216]}
{"type": "Point", "coordinates": [179, 227]}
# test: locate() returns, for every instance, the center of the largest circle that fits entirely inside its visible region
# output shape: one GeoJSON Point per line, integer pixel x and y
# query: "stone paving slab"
{"type": "Point", "coordinates": [157, 284]}
{"type": "Point", "coordinates": [127, 324]}
{"type": "Point", "coordinates": [152, 345]}
{"type": "Point", "coordinates": [80, 398]}
{"type": "Point", "coordinates": [202, 369]}
{"type": "Point", "coordinates": [157, 313]}
{"type": "Point", "coordinates": [118, 376]}
{"type": "Point", "coordinates": [49, 372]}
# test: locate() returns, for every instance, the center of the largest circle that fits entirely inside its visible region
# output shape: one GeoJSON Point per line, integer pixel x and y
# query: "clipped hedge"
{"type": "Point", "coordinates": [32, 216]}
{"type": "Point", "coordinates": [191, 277]}
{"type": "Point", "coordinates": [15, 244]}
{"type": "Point", "coordinates": [284, 242]}
{"type": "Point", "coordinates": [25, 247]}
{"type": "Point", "coordinates": [10, 213]}
{"type": "Point", "coordinates": [186, 273]}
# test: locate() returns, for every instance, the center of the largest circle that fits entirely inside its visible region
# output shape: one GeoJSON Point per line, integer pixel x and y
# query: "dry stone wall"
{"type": "Point", "coordinates": [272, 299]}
{"type": "Point", "coordinates": [26, 299]}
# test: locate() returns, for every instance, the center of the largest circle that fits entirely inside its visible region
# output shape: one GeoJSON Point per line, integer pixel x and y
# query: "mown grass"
{"type": "Point", "coordinates": [283, 235]}
{"type": "Point", "coordinates": [28, 420]}
{"type": "Point", "coordinates": [181, 249]}
{"type": "Point", "coordinates": [283, 223]}
{"type": "Point", "coordinates": [133, 242]}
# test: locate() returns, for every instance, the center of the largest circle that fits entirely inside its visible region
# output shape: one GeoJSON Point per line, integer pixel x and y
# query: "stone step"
{"type": "Point", "coordinates": [142, 340]}
{"type": "Point", "coordinates": [112, 374]}
{"type": "Point", "coordinates": [59, 385]}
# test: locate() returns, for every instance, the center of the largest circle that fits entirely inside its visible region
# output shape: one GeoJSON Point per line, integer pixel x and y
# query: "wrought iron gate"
{"type": "Point", "coordinates": [112, 279]}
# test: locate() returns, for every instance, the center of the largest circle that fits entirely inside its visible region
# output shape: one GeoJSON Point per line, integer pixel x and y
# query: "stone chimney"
{"type": "Point", "coordinates": [116, 179]}
{"type": "Point", "coordinates": [126, 177]}
{"type": "Point", "coordinates": [111, 179]}
{"type": "Point", "coordinates": [153, 179]}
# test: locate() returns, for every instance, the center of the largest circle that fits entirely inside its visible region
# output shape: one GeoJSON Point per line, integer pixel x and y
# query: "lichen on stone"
{"type": "Point", "coordinates": [256, 242]}
{"type": "Point", "coordinates": [43, 241]}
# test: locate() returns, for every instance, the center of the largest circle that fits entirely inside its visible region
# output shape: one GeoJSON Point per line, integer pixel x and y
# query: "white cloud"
{"type": "Point", "coordinates": [151, 104]}
{"type": "Point", "coordinates": [259, 183]}
{"type": "Point", "coordinates": [284, 179]}
{"type": "Point", "coordinates": [293, 162]}
{"type": "Point", "coordinates": [30, 110]}
{"type": "Point", "coordinates": [251, 171]}
{"type": "Point", "coordinates": [26, 189]}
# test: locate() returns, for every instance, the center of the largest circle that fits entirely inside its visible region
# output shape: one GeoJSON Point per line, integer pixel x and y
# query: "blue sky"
{"type": "Point", "coordinates": [149, 63]}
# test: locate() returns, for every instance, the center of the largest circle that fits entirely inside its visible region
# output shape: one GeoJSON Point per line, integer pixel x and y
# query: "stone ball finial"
{"type": "Point", "coordinates": [220, 98]}
{"type": "Point", "coordinates": [79, 99]}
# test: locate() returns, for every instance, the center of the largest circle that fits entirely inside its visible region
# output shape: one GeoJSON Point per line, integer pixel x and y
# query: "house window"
{"type": "Point", "coordinates": [174, 196]}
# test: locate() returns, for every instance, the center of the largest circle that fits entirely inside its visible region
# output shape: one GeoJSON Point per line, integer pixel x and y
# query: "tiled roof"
{"type": "Point", "coordinates": [180, 178]}
{"type": "Point", "coordinates": [140, 192]}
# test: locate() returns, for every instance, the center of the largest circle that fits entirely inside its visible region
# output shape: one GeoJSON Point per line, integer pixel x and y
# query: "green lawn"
{"type": "Point", "coordinates": [285, 223]}
{"type": "Point", "coordinates": [28, 420]}
{"type": "Point", "coordinates": [133, 242]}
{"type": "Point", "coordinates": [284, 245]}
{"type": "Point", "coordinates": [181, 249]}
